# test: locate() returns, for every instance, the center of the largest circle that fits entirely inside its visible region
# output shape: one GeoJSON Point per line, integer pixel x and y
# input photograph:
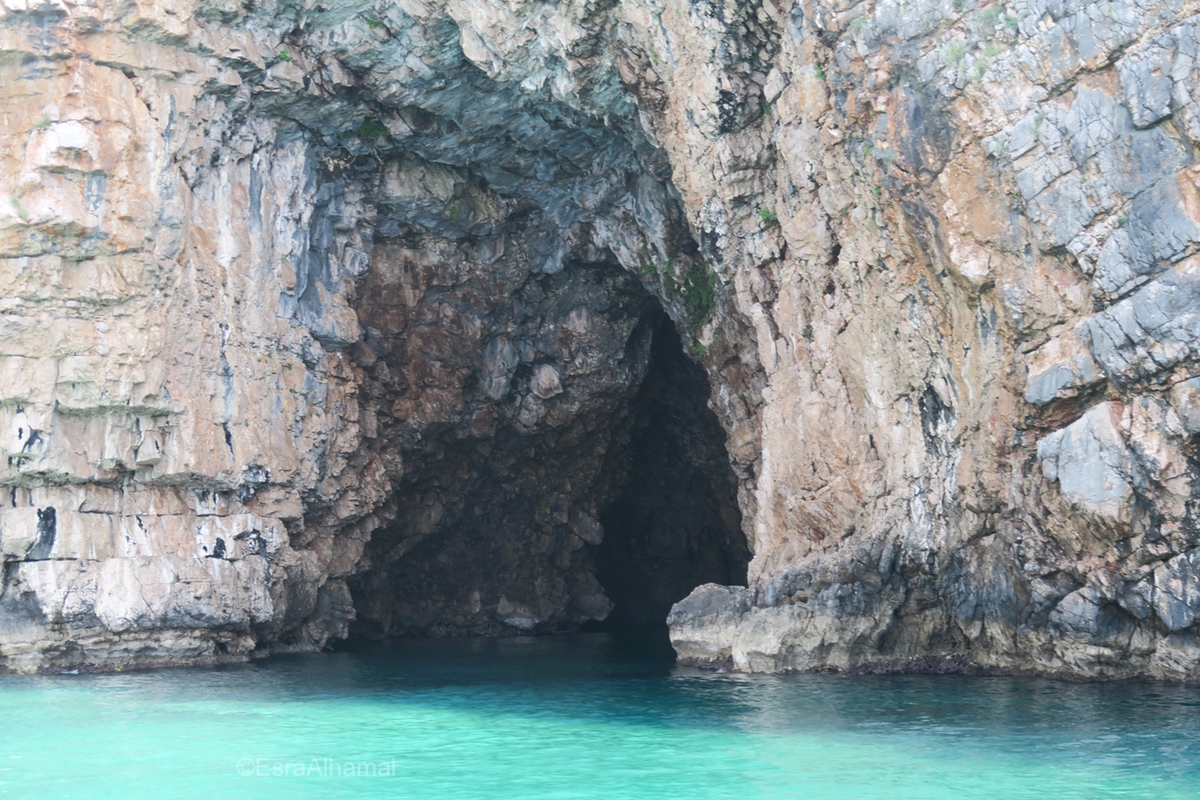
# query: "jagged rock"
{"type": "Point", "coordinates": [703, 624]}
{"type": "Point", "coordinates": [1177, 591]}
{"type": "Point", "coordinates": [1061, 368]}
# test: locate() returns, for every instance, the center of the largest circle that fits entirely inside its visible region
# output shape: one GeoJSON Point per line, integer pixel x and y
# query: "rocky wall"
{"type": "Point", "coordinates": [287, 286]}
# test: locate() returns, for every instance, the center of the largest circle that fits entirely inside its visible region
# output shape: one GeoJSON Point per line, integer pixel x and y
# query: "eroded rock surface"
{"type": "Point", "coordinates": [333, 315]}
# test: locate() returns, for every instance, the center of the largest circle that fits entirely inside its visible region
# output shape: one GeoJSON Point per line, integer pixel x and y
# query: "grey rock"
{"type": "Point", "coordinates": [500, 359]}
{"type": "Point", "coordinates": [1092, 464]}
{"type": "Point", "coordinates": [1152, 331]}
{"type": "Point", "coordinates": [1177, 591]}
{"type": "Point", "coordinates": [1146, 84]}
{"type": "Point", "coordinates": [1155, 233]}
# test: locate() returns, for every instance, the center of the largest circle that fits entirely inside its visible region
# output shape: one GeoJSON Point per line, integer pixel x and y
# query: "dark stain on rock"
{"type": "Point", "coordinates": [937, 419]}
{"type": "Point", "coordinates": [924, 139]}
{"type": "Point", "coordinates": [46, 528]}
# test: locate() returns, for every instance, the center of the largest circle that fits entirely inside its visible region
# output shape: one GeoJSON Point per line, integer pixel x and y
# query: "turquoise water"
{"type": "Point", "coordinates": [587, 716]}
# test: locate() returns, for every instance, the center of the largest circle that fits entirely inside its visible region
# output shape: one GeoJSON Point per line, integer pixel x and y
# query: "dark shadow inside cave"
{"type": "Point", "coordinates": [673, 524]}
{"type": "Point", "coordinates": [563, 460]}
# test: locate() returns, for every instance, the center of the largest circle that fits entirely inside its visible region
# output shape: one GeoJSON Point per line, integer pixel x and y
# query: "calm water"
{"type": "Point", "coordinates": [586, 716]}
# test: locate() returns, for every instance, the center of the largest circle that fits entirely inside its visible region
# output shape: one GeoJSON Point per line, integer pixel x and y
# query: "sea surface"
{"type": "Point", "coordinates": [584, 716]}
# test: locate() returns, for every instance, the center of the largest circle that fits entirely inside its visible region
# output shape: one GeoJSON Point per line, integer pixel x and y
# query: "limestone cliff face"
{"type": "Point", "coordinates": [343, 314]}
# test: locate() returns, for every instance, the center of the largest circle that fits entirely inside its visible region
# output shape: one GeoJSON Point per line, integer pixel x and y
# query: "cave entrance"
{"type": "Point", "coordinates": [673, 522]}
{"type": "Point", "coordinates": [553, 461]}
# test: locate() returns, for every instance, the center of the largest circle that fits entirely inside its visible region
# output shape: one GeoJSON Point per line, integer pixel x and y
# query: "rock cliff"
{"type": "Point", "coordinates": [440, 316]}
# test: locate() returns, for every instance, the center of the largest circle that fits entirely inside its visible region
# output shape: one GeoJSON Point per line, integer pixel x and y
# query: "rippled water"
{"type": "Point", "coordinates": [587, 716]}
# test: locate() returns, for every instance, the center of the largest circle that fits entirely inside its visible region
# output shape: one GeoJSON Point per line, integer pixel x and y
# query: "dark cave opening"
{"type": "Point", "coordinates": [673, 523]}
{"type": "Point", "coordinates": [559, 471]}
